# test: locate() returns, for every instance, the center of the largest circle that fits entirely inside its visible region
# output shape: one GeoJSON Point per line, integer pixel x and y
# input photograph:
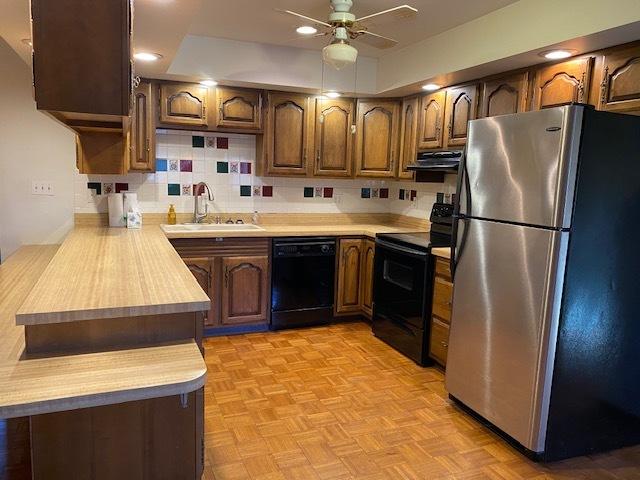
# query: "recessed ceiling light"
{"type": "Point", "coordinates": [431, 87]}
{"type": "Point", "coordinates": [557, 54]}
{"type": "Point", "coordinates": [333, 94]}
{"type": "Point", "coordinates": [147, 56]}
{"type": "Point", "coordinates": [208, 83]}
{"type": "Point", "coordinates": [306, 30]}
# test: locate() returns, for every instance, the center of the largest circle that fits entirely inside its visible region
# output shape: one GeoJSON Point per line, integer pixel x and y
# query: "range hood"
{"type": "Point", "coordinates": [442, 162]}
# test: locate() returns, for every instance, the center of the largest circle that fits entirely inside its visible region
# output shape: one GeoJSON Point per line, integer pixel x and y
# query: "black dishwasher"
{"type": "Point", "coordinates": [302, 281]}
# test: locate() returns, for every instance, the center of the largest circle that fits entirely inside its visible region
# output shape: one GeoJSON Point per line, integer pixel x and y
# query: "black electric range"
{"type": "Point", "coordinates": [403, 285]}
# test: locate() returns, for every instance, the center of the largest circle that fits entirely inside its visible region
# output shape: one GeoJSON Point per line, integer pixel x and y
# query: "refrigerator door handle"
{"type": "Point", "coordinates": [463, 176]}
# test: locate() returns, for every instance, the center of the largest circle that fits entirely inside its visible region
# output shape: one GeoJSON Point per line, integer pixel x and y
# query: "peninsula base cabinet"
{"type": "Point", "coordinates": [235, 274]}
{"type": "Point", "coordinates": [354, 278]}
{"type": "Point", "coordinates": [137, 435]}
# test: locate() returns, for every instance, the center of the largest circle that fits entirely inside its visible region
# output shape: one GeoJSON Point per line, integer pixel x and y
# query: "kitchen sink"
{"type": "Point", "coordinates": [210, 227]}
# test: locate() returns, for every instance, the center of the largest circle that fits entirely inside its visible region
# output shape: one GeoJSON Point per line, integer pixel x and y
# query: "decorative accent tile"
{"type": "Point", "coordinates": [267, 191]}
{"type": "Point", "coordinates": [401, 194]}
{"type": "Point", "coordinates": [257, 191]}
{"type": "Point", "coordinates": [197, 141]}
{"type": "Point", "coordinates": [245, 167]}
{"type": "Point", "coordinates": [222, 167]}
{"type": "Point", "coordinates": [308, 192]}
{"type": "Point", "coordinates": [173, 189]}
{"type": "Point", "coordinates": [440, 197]}
{"type": "Point", "coordinates": [107, 188]}
{"type": "Point", "coordinates": [375, 192]}
{"type": "Point", "coordinates": [245, 190]}
{"type": "Point", "coordinates": [96, 186]}
{"type": "Point", "coordinates": [174, 165]}
{"type": "Point", "coordinates": [211, 142]}
{"type": "Point", "coordinates": [187, 189]}
{"type": "Point", "coordinates": [365, 193]}
{"type": "Point", "coordinates": [318, 191]}
{"type": "Point", "coordinates": [122, 187]}
{"type": "Point", "coordinates": [222, 143]}
{"type": "Point", "coordinates": [161, 164]}
{"type": "Point", "coordinates": [186, 165]}
{"type": "Point", "coordinates": [384, 193]}
{"type": "Point", "coordinates": [328, 192]}
{"type": "Point", "coordinates": [414, 194]}
{"type": "Point", "coordinates": [233, 167]}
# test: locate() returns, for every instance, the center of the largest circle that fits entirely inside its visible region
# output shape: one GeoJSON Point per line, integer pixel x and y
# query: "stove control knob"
{"type": "Point", "coordinates": [324, 248]}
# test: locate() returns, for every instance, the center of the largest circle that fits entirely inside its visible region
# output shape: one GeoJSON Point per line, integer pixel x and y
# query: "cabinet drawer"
{"type": "Point", "coordinates": [442, 295]}
{"type": "Point", "coordinates": [442, 268]}
{"type": "Point", "coordinates": [439, 341]}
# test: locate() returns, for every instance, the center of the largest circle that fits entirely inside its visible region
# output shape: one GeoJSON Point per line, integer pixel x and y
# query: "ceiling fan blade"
{"type": "Point", "coordinates": [299, 15]}
{"type": "Point", "coordinates": [374, 39]}
{"type": "Point", "coordinates": [307, 37]}
{"type": "Point", "coordinates": [395, 13]}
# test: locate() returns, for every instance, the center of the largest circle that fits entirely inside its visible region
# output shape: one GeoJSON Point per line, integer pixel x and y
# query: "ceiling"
{"type": "Point", "coordinates": [258, 21]}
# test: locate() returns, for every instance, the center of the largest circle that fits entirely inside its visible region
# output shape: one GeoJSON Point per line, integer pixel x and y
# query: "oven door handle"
{"type": "Point", "coordinates": [400, 248]}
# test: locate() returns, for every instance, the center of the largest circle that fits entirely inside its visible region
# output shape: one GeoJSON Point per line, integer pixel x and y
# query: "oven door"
{"type": "Point", "coordinates": [400, 284]}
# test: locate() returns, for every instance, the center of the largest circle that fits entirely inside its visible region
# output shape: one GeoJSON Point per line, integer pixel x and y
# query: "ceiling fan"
{"type": "Point", "coordinates": [343, 26]}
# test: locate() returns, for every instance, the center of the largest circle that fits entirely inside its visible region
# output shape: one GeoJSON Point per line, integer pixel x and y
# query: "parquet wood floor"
{"type": "Point", "coordinates": [336, 403]}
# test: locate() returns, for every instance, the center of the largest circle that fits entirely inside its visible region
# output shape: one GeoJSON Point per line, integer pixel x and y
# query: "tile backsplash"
{"type": "Point", "coordinates": [226, 162]}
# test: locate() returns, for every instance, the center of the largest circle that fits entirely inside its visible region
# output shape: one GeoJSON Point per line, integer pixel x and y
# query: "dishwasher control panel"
{"type": "Point", "coordinates": [304, 247]}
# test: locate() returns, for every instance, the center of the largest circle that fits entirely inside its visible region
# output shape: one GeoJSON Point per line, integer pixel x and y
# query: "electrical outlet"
{"type": "Point", "coordinates": [42, 188]}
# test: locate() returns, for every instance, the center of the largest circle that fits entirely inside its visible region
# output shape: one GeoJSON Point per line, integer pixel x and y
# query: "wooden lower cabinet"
{"type": "Point", "coordinates": [366, 278]}
{"type": "Point", "coordinates": [245, 289]}
{"type": "Point", "coordinates": [441, 312]}
{"type": "Point", "coordinates": [235, 274]}
{"type": "Point", "coordinates": [354, 282]}
{"type": "Point", "coordinates": [84, 443]}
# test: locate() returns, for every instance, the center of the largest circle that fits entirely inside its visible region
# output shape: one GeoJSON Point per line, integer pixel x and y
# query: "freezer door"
{"type": "Point", "coordinates": [506, 302]}
{"type": "Point", "coordinates": [521, 168]}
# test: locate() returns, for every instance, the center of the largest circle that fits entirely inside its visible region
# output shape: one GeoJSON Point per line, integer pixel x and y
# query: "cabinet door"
{"type": "Point", "coordinates": [202, 270]}
{"type": "Point", "coordinates": [504, 95]}
{"type": "Point", "coordinates": [620, 88]}
{"type": "Point", "coordinates": [562, 83]}
{"type": "Point", "coordinates": [349, 273]}
{"type": "Point", "coordinates": [245, 289]}
{"type": "Point", "coordinates": [377, 138]}
{"type": "Point", "coordinates": [431, 121]}
{"type": "Point", "coordinates": [288, 133]}
{"type": "Point", "coordinates": [461, 107]}
{"type": "Point", "coordinates": [239, 108]}
{"type": "Point", "coordinates": [333, 138]}
{"type": "Point", "coordinates": [366, 276]}
{"type": "Point", "coordinates": [183, 104]}
{"type": "Point", "coordinates": [408, 136]}
{"type": "Point", "coordinates": [142, 155]}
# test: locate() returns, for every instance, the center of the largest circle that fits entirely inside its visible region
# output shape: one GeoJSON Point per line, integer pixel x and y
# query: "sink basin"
{"type": "Point", "coordinates": [211, 227]}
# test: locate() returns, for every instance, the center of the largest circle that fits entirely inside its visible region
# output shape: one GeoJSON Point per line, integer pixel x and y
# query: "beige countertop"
{"type": "Point", "coordinates": [43, 385]}
{"type": "Point", "coordinates": [444, 252]}
{"type": "Point", "coordinates": [111, 273]}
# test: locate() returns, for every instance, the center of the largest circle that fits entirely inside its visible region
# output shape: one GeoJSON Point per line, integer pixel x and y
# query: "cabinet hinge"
{"type": "Point", "coordinates": [184, 400]}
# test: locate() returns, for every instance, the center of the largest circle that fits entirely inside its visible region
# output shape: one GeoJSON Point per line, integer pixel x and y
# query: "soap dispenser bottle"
{"type": "Point", "coordinates": [171, 215]}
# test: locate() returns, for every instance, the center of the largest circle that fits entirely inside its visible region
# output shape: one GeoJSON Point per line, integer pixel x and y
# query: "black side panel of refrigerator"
{"type": "Point", "coordinates": [595, 396]}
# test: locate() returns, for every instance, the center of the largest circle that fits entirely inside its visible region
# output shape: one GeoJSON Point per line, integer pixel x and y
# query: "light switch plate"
{"type": "Point", "coordinates": [42, 188]}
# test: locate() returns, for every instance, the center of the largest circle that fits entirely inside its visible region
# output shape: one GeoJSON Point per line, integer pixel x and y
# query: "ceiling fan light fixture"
{"type": "Point", "coordinates": [431, 87]}
{"type": "Point", "coordinates": [306, 30]}
{"type": "Point", "coordinates": [339, 55]}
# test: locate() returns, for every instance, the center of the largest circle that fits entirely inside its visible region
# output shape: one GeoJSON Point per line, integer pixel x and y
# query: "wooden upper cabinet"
{"type": "Point", "coordinates": [377, 127]}
{"type": "Point", "coordinates": [366, 276]}
{"type": "Point", "coordinates": [408, 136]}
{"type": "Point", "coordinates": [238, 108]}
{"type": "Point", "coordinates": [142, 156]}
{"type": "Point", "coordinates": [202, 270]}
{"type": "Point", "coordinates": [502, 96]}
{"type": "Point", "coordinates": [562, 83]}
{"type": "Point", "coordinates": [431, 121]}
{"type": "Point", "coordinates": [245, 289]}
{"type": "Point", "coordinates": [348, 295]}
{"type": "Point", "coordinates": [183, 104]}
{"type": "Point", "coordinates": [82, 61]}
{"type": "Point", "coordinates": [620, 88]}
{"type": "Point", "coordinates": [333, 138]}
{"type": "Point", "coordinates": [288, 133]}
{"type": "Point", "coordinates": [461, 107]}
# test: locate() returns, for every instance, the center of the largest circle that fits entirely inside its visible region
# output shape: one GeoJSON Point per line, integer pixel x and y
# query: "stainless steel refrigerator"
{"type": "Point", "coordinates": [545, 332]}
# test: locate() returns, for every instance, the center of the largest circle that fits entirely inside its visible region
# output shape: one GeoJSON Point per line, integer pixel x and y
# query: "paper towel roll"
{"type": "Point", "coordinates": [116, 210]}
{"type": "Point", "coordinates": [130, 202]}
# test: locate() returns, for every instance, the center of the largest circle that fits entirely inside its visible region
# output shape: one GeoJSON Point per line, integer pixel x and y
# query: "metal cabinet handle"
{"type": "Point", "coordinates": [604, 85]}
{"type": "Point", "coordinates": [444, 344]}
{"type": "Point", "coordinates": [148, 146]}
{"type": "Point", "coordinates": [304, 154]}
{"type": "Point", "coordinates": [226, 276]}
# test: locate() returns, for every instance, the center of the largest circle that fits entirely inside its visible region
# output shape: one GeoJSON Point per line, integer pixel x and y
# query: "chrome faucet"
{"type": "Point", "coordinates": [198, 217]}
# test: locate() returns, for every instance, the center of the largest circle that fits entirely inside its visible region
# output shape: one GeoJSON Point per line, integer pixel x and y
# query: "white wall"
{"type": "Point", "coordinates": [32, 147]}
